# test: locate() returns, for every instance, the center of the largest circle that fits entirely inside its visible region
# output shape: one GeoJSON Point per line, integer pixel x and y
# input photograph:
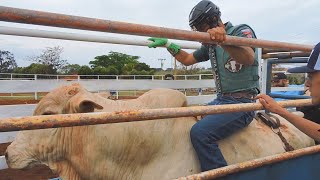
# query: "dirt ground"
{"type": "Point", "coordinates": [35, 173]}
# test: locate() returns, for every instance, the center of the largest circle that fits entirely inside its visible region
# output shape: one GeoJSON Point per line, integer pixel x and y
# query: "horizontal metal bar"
{"type": "Point", "coordinates": [245, 166]}
{"type": "Point", "coordinates": [68, 120]}
{"type": "Point", "coordinates": [82, 37]}
{"type": "Point", "coordinates": [11, 86]}
{"type": "Point", "coordinates": [268, 50]}
{"type": "Point", "coordinates": [16, 15]}
{"type": "Point", "coordinates": [287, 88]}
{"type": "Point", "coordinates": [286, 55]}
{"type": "Point", "coordinates": [289, 60]}
{"type": "Point", "coordinates": [286, 96]}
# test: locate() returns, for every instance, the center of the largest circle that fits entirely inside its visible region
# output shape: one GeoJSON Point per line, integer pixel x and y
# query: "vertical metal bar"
{"type": "Point", "coordinates": [269, 74]}
{"type": "Point", "coordinates": [264, 76]}
{"type": "Point", "coordinates": [35, 96]}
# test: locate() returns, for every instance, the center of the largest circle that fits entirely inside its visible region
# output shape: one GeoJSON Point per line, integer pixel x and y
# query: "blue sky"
{"type": "Point", "coordinates": [288, 20]}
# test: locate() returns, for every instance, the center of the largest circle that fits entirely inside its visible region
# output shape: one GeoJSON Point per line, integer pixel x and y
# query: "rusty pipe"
{"type": "Point", "coordinates": [68, 120]}
{"type": "Point", "coordinates": [76, 22]}
{"type": "Point", "coordinates": [285, 55]}
{"type": "Point", "coordinates": [245, 166]}
{"type": "Point", "coordinates": [268, 50]}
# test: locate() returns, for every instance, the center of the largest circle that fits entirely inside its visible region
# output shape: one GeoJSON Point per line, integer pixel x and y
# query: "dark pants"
{"type": "Point", "coordinates": [212, 128]}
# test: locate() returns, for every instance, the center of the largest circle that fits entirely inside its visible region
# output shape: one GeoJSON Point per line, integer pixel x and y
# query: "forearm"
{"type": "Point", "coordinates": [243, 55]}
{"type": "Point", "coordinates": [185, 58]}
{"type": "Point", "coordinates": [308, 127]}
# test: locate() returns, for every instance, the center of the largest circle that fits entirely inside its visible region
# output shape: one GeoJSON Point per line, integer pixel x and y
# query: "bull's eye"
{"type": "Point", "coordinates": [48, 113]}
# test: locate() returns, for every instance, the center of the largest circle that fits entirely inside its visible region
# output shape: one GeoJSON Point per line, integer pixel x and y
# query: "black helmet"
{"type": "Point", "coordinates": [205, 12]}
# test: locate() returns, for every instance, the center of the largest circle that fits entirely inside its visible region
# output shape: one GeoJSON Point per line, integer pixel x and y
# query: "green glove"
{"type": "Point", "coordinates": [163, 42]}
{"type": "Point", "coordinates": [157, 42]}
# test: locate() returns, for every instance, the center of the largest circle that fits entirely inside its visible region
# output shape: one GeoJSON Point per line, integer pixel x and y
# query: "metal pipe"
{"type": "Point", "coordinates": [245, 166]}
{"type": "Point", "coordinates": [76, 22]}
{"type": "Point", "coordinates": [82, 37]}
{"type": "Point", "coordinates": [289, 60]}
{"type": "Point", "coordinates": [268, 50]}
{"type": "Point", "coordinates": [286, 55]}
{"type": "Point", "coordinates": [286, 96]}
{"type": "Point", "coordinates": [68, 120]}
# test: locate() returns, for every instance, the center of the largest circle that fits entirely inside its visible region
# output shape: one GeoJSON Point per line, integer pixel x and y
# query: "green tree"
{"type": "Point", "coordinates": [35, 69]}
{"type": "Point", "coordinates": [71, 69]}
{"type": "Point", "coordinates": [111, 70]}
{"type": "Point", "coordinates": [7, 62]}
{"type": "Point", "coordinates": [99, 70]}
{"type": "Point", "coordinates": [142, 66]}
{"type": "Point", "coordinates": [85, 70]}
{"type": "Point", "coordinates": [116, 59]}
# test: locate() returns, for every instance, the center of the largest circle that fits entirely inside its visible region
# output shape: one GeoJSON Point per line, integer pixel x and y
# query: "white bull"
{"type": "Point", "coordinates": [159, 149]}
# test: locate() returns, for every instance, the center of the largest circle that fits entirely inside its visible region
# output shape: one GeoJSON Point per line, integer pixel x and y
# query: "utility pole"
{"type": "Point", "coordinates": [162, 62]}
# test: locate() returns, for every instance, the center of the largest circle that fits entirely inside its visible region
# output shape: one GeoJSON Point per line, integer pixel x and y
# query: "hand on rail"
{"type": "Point", "coordinates": [218, 33]}
{"type": "Point", "coordinates": [270, 104]}
{"type": "Point", "coordinates": [163, 42]}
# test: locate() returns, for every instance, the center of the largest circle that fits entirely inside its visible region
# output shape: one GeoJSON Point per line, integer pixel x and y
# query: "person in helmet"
{"type": "Point", "coordinates": [235, 70]}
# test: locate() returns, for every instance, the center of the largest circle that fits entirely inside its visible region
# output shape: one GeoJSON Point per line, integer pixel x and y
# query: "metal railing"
{"type": "Point", "coordinates": [17, 76]}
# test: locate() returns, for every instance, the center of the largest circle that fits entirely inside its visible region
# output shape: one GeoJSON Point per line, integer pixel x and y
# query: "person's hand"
{"type": "Point", "coordinates": [218, 33]}
{"type": "Point", "coordinates": [157, 42]}
{"type": "Point", "coordinates": [270, 104]}
{"type": "Point", "coordinates": [174, 49]}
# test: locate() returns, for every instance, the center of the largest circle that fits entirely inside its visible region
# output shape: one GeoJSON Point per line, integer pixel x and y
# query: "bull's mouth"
{"type": "Point", "coordinates": [19, 163]}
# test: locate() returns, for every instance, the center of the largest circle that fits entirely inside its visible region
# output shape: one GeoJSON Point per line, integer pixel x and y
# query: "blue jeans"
{"type": "Point", "coordinates": [212, 128]}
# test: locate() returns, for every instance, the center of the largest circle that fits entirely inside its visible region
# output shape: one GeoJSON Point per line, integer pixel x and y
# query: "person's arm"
{"type": "Point", "coordinates": [182, 56]}
{"type": "Point", "coordinates": [308, 127]}
{"type": "Point", "coordinates": [241, 54]}
{"type": "Point", "coordinates": [185, 58]}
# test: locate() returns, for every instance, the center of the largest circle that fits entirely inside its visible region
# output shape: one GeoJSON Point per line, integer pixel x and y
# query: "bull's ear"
{"type": "Point", "coordinates": [86, 106]}
{"type": "Point", "coordinates": [83, 102]}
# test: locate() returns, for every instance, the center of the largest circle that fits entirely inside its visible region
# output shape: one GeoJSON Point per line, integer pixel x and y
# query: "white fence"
{"type": "Point", "coordinates": [15, 76]}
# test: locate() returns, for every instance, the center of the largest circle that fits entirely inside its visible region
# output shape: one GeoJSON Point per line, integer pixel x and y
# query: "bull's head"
{"type": "Point", "coordinates": [44, 146]}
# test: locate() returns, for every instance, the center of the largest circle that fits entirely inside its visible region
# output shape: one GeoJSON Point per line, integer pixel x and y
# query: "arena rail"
{"type": "Point", "coordinates": [69, 120]}
{"type": "Point", "coordinates": [249, 165]}
{"type": "Point", "coordinates": [16, 15]}
{"type": "Point", "coordinates": [83, 37]}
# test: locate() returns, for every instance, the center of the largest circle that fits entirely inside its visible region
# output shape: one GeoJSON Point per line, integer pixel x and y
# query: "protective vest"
{"type": "Point", "coordinates": [231, 76]}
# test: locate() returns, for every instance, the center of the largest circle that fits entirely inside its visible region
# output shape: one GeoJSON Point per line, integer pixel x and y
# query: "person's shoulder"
{"type": "Point", "coordinates": [244, 30]}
